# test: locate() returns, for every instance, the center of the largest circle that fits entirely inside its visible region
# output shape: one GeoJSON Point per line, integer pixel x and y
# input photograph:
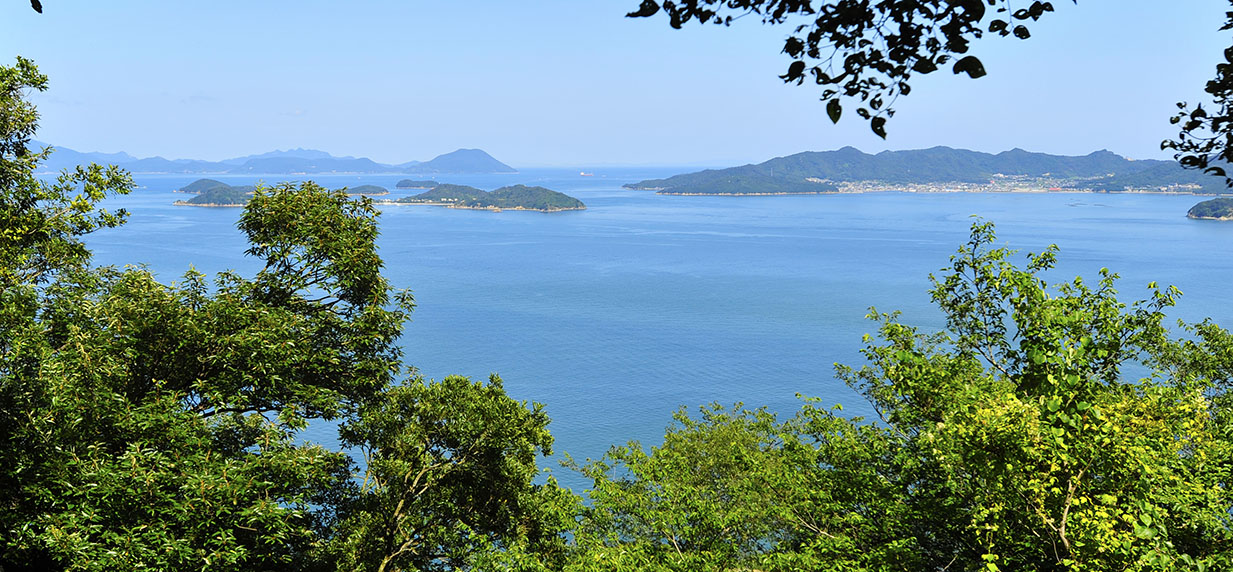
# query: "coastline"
{"type": "Point", "coordinates": [923, 189]}
{"type": "Point", "coordinates": [1196, 217]}
{"type": "Point", "coordinates": [752, 194]}
{"type": "Point", "coordinates": [489, 208]}
{"type": "Point", "coordinates": [210, 205]}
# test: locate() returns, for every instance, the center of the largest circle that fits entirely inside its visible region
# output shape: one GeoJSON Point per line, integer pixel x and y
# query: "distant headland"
{"type": "Point", "coordinates": [939, 169]}
{"type": "Point", "coordinates": [514, 197]}
{"type": "Point", "coordinates": [290, 162]}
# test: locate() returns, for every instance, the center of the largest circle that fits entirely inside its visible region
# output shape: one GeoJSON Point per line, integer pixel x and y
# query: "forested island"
{"type": "Point", "coordinates": [413, 184]}
{"type": "Point", "coordinates": [366, 190]}
{"type": "Point", "coordinates": [938, 169]}
{"type": "Point", "coordinates": [212, 193]}
{"type": "Point", "coordinates": [1214, 209]}
{"type": "Point", "coordinates": [514, 197]}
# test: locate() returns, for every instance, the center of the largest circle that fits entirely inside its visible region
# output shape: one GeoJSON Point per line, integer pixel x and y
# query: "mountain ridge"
{"type": "Point", "coordinates": [812, 172]}
{"type": "Point", "coordinates": [292, 161]}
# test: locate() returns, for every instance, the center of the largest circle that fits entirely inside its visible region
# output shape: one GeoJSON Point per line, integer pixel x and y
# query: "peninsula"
{"type": "Point", "coordinates": [515, 197]}
{"type": "Point", "coordinates": [939, 169]}
{"type": "Point", "coordinates": [1214, 209]}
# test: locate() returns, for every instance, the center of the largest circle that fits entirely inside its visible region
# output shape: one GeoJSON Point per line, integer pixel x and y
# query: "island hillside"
{"type": "Point", "coordinates": [517, 197]}
{"type": "Point", "coordinates": [201, 185]}
{"type": "Point", "coordinates": [367, 190]}
{"type": "Point", "coordinates": [413, 184]}
{"type": "Point", "coordinates": [461, 161]}
{"type": "Point", "coordinates": [220, 196]}
{"type": "Point", "coordinates": [1214, 209]}
{"type": "Point", "coordinates": [938, 168]}
{"type": "Point", "coordinates": [211, 193]}
{"type": "Point", "coordinates": [446, 193]}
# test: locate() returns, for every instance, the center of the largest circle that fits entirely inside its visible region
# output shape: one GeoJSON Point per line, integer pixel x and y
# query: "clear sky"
{"type": "Point", "coordinates": [572, 82]}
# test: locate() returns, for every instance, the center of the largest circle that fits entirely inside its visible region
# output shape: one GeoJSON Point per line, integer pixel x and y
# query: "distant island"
{"type": "Point", "coordinates": [413, 184]}
{"type": "Point", "coordinates": [220, 196]}
{"type": "Point", "coordinates": [1214, 209]}
{"type": "Point", "coordinates": [938, 169]}
{"type": "Point", "coordinates": [290, 162]}
{"type": "Point", "coordinates": [367, 190]}
{"type": "Point", "coordinates": [212, 193]}
{"type": "Point", "coordinates": [515, 197]}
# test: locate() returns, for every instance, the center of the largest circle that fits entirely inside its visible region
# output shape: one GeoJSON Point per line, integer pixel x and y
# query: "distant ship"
{"type": "Point", "coordinates": [586, 174]}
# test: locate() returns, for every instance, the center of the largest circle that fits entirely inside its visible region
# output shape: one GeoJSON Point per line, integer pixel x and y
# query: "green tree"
{"type": "Point", "coordinates": [152, 426]}
{"type": "Point", "coordinates": [1010, 441]}
{"type": "Point", "coordinates": [449, 482]}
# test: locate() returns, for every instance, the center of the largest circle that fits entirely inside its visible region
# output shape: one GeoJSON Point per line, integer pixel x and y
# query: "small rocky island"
{"type": "Point", "coordinates": [1214, 209]}
{"type": "Point", "coordinates": [212, 193]}
{"type": "Point", "coordinates": [514, 197]}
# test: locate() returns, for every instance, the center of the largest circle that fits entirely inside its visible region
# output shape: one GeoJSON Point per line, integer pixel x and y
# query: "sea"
{"type": "Point", "coordinates": [617, 316]}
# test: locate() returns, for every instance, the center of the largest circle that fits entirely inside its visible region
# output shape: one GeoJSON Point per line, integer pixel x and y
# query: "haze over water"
{"type": "Point", "coordinates": [615, 316]}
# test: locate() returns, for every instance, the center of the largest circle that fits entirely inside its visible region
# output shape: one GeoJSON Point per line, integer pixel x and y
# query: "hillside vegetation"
{"type": "Point", "coordinates": [813, 172]}
{"type": "Point", "coordinates": [1221, 208]}
{"type": "Point", "coordinates": [510, 197]}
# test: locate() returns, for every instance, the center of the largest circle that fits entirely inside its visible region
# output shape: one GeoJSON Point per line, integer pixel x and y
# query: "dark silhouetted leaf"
{"type": "Point", "coordinates": [796, 72]}
{"type": "Point", "coordinates": [834, 110]}
{"type": "Point", "coordinates": [1022, 33]}
{"type": "Point", "coordinates": [924, 66]}
{"type": "Point", "coordinates": [793, 46]}
{"type": "Point", "coordinates": [38, 6]}
{"type": "Point", "coordinates": [878, 125]}
{"type": "Point", "coordinates": [647, 8]}
{"type": "Point", "coordinates": [970, 65]}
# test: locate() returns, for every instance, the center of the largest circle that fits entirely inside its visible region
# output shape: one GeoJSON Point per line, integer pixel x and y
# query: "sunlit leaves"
{"type": "Point", "coordinates": [1009, 441]}
{"type": "Point", "coordinates": [42, 221]}
{"type": "Point", "coordinates": [449, 479]}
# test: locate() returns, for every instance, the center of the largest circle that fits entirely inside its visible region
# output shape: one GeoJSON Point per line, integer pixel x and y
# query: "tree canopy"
{"type": "Point", "coordinates": [868, 53]}
{"type": "Point", "coordinates": [147, 425]}
{"type": "Point", "coordinates": [154, 426]}
{"type": "Point", "coordinates": [1013, 440]}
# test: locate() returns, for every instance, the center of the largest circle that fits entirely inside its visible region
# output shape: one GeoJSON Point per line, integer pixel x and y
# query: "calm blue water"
{"type": "Point", "coordinates": [616, 316]}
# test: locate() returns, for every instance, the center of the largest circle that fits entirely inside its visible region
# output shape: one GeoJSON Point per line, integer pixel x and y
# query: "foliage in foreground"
{"type": "Point", "coordinates": [1010, 441]}
{"type": "Point", "coordinates": [147, 426]}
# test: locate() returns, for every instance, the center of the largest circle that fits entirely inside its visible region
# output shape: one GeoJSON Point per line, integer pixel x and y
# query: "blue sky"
{"type": "Point", "coordinates": [572, 82]}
